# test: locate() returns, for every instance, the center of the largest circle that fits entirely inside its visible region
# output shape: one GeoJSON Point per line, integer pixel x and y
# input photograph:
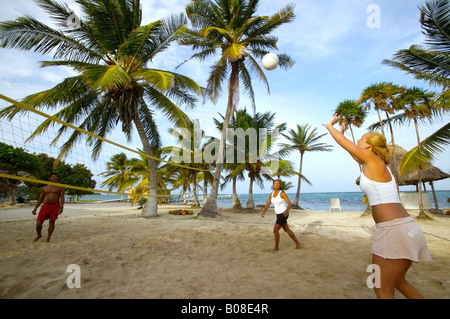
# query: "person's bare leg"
{"type": "Point", "coordinates": [276, 232]}
{"type": "Point", "coordinates": [407, 290]}
{"type": "Point", "coordinates": [51, 228]}
{"type": "Point", "coordinates": [393, 272]}
{"type": "Point", "coordinates": [292, 235]}
{"type": "Point", "coordinates": [38, 231]}
{"type": "Point", "coordinates": [387, 277]}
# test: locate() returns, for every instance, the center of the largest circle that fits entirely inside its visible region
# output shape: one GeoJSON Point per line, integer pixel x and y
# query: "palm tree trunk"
{"type": "Point", "coordinates": [12, 197]}
{"type": "Point", "coordinates": [297, 194]}
{"type": "Point", "coordinates": [299, 185]}
{"type": "Point", "coordinates": [195, 203]}
{"type": "Point", "coordinates": [236, 201]}
{"type": "Point", "coordinates": [422, 214]}
{"type": "Point", "coordinates": [393, 165]}
{"type": "Point", "coordinates": [351, 132]}
{"type": "Point", "coordinates": [151, 206]}
{"type": "Point", "coordinates": [185, 196]}
{"type": "Point", "coordinates": [250, 201]}
{"type": "Point", "coordinates": [11, 190]}
{"type": "Point", "coordinates": [205, 191]}
{"type": "Point", "coordinates": [381, 122]}
{"type": "Point", "coordinates": [353, 138]}
{"type": "Point", "coordinates": [210, 208]}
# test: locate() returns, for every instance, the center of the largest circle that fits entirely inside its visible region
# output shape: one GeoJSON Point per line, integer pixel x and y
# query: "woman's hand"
{"type": "Point", "coordinates": [333, 121]}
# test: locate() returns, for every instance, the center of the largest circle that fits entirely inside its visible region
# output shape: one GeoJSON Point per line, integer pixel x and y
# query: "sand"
{"type": "Point", "coordinates": [122, 255]}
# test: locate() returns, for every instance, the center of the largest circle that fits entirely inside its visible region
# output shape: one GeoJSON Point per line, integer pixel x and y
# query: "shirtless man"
{"type": "Point", "coordinates": [52, 198]}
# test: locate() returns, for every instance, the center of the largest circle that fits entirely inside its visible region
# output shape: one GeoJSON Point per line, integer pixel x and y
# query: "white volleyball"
{"type": "Point", "coordinates": [270, 61]}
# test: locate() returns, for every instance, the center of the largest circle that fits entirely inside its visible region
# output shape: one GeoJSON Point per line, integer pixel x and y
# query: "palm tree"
{"type": "Point", "coordinates": [182, 179]}
{"type": "Point", "coordinates": [117, 173]}
{"type": "Point", "coordinates": [110, 51]}
{"type": "Point", "coordinates": [249, 153]}
{"type": "Point", "coordinates": [231, 28]}
{"type": "Point", "coordinates": [382, 97]}
{"type": "Point", "coordinates": [255, 169]}
{"type": "Point", "coordinates": [236, 173]}
{"type": "Point", "coordinates": [303, 140]}
{"type": "Point", "coordinates": [191, 146]}
{"type": "Point", "coordinates": [431, 64]}
{"type": "Point", "coordinates": [139, 172]}
{"type": "Point", "coordinates": [235, 166]}
{"type": "Point", "coordinates": [417, 104]}
{"type": "Point", "coordinates": [352, 114]}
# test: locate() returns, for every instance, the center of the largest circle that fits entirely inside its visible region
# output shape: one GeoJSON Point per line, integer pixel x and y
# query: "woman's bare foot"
{"type": "Point", "coordinates": [298, 246]}
{"type": "Point", "coordinates": [38, 237]}
{"type": "Point", "coordinates": [276, 248]}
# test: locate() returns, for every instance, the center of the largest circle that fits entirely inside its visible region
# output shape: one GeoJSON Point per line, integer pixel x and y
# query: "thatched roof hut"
{"type": "Point", "coordinates": [428, 173]}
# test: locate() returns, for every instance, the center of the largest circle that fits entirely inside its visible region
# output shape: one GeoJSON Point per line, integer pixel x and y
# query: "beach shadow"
{"type": "Point", "coordinates": [312, 226]}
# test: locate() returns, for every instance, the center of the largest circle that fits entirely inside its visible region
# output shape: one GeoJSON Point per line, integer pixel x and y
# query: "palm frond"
{"type": "Point", "coordinates": [435, 21]}
{"type": "Point", "coordinates": [105, 77]}
{"type": "Point", "coordinates": [172, 29]}
{"type": "Point", "coordinates": [285, 15]}
{"type": "Point", "coordinates": [398, 119]}
{"type": "Point", "coordinates": [218, 75]}
{"type": "Point", "coordinates": [108, 21]}
{"type": "Point", "coordinates": [27, 33]}
{"type": "Point", "coordinates": [162, 80]}
{"type": "Point", "coordinates": [150, 126]}
{"type": "Point", "coordinates": [247, 81]}
{"type": "Point", "coordinates": [430, 66]}
{"type": "Point", "coordinates": [138, 43]}
{"type": "Point", "coordinates": [58, 12]}
{"type": "Point", "coordinates": [173, 113]}
{"type": "Point", "coordinates": [424, 152]}
{"type": "Point", "coordinates": [256, 69]}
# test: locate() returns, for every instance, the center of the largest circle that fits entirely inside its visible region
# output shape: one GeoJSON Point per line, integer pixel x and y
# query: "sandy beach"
{"type": "Point", "coordinates": [122, 255]}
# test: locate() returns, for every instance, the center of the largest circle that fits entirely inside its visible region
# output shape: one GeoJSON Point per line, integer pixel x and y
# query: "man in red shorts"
{"type": "Point", "coordinates": [52, 198]}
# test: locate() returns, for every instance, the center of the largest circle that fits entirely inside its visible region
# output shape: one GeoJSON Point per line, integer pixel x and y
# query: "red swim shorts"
{"type": "Point", "coordinates": [48, 211]}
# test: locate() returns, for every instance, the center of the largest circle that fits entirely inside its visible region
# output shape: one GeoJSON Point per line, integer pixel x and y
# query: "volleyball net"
{"type": "Point", "coordinates": [16, 132]}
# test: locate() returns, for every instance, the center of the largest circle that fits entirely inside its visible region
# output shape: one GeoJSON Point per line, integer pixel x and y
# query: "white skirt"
{"type": "Point", "coordinates": [401, 238]}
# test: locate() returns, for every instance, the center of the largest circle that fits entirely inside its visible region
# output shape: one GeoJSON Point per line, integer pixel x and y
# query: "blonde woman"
{"type": "Point", "coordinates": [398, 239]}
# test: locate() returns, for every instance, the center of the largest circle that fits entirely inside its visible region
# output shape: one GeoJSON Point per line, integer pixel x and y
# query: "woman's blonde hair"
{"type": "Point", "coordinates": [379, 146]}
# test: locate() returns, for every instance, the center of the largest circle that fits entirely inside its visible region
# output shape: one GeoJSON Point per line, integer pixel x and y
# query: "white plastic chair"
{"type": "Point", "coordinates": [335, 203]}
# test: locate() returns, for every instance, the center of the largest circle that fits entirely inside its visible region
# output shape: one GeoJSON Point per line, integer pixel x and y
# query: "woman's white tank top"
{"type": "Point", "coordinates": [279, 203]}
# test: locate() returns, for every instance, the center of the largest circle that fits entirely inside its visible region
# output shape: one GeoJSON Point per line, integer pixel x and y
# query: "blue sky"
{"type": "Point", "coordinates": [337, 55]}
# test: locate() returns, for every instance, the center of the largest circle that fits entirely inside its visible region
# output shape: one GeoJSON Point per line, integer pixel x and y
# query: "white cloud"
{"type": "Point", "coordinates": [156, 9]}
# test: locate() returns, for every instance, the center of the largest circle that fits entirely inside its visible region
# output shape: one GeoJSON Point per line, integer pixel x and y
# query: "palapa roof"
{"type": "Point", "coordinates": [428, 173]}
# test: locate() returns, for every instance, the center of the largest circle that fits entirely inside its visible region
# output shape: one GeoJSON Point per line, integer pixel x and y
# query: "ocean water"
{"type": "Point", "coordinates": [313, 201]}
